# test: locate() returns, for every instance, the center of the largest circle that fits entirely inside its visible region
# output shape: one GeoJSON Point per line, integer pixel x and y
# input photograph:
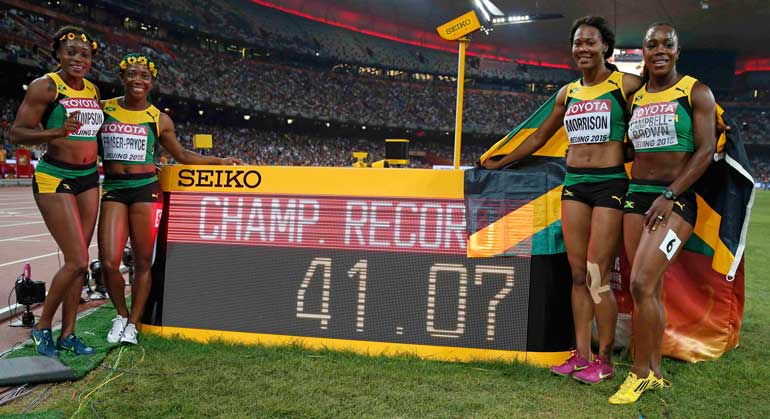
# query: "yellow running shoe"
{"type": "Point", "coordinates": [632, 388]}
{"type": "Point", "coordinates": [658, 383]}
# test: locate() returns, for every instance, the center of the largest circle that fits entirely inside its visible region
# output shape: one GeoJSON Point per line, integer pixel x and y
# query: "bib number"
{"type": "Point", "coordinates": [588, 122]}
{"type": "Point", "coordinates": [654, 126]}
{"type": "Point", "coordinates": [124, 142]}
{"type": "Point", "coordinates": [90, 116]}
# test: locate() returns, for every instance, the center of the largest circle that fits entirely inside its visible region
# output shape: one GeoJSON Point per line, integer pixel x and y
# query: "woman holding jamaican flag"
{"type": "Point", "coordinates": [672, 127]}
{"type": "Point", "coordinates": [131, 195]}
{"type": "Point", "coordinates": [593, 113]}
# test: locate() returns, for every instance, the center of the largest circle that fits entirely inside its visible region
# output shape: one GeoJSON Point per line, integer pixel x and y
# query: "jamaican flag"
{"type": "Point", "coordinates": [517, 212]}
{"type": "Point", "coordinates": [703, 291]}
{"type": "Point", "coordinates": [514, 212]}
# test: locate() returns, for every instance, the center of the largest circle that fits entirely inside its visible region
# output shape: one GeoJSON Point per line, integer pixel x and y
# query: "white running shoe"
{"type": "Point", "coordinates": [129, 334]}
{"type": "Point", "coordinates": [116, 332]}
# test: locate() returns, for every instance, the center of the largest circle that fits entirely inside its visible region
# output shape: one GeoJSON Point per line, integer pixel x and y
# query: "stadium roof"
{"type": "Point", "coordinates": [740, 26]}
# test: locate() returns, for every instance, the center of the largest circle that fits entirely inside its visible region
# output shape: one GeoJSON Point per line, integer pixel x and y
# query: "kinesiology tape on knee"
{"type": "Point", "coordinates": [594, 283]}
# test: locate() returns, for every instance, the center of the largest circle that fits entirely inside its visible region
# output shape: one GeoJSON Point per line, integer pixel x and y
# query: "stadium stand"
{"type": "Point", "coordinates": [316, 72]}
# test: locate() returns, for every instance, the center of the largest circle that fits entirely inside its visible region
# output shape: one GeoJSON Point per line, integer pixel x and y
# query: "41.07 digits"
{"type": "Point", "coordinates": [321, 267]}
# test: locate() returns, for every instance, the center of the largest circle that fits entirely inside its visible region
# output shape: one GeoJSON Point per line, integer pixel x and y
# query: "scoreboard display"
{"type": "Point", "coordinates": [369, 260]}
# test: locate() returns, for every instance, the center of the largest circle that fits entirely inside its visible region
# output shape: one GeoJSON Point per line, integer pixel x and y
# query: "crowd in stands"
{"type": "Point", "coordinates": [266, 147]}
{"type": "Point", "coordinates": [346, 98]}
{"type": "Point", "coordinates": [276, 148]}
{"type": "Point", "coordinates": [261, 27]}
{"type": "Point", "coordinates": [293, 90]}
{"type": "Point", "coordinates": [263, 86]}
{"type": "Point", "coordinates": [268, 28]}
{"type": "Point", "coordinates": [753, 122]}
{"type": "Point", "coordinates": [308, 92]}
{"type": "Point", "coordinates": [8, 107]}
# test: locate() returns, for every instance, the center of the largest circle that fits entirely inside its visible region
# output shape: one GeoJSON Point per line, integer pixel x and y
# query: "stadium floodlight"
{"type": "Point", "coordinates": [524, 18]}
{"type": "Point", "coordinates": [496, 17]}
{"type": "Point", "coordinates": [487, 9]}
{"type": "Point", "coordinates": [482, 10]}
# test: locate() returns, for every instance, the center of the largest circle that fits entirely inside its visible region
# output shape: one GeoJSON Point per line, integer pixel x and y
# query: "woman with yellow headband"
{"type": "Point", "coordinates": [66, 182]}
{"type": "Point", "coordinates": [131, 198]}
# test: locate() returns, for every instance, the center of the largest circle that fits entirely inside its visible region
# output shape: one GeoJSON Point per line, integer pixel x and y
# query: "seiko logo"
{"type": "Point", "coordinates": [458, 26]}
{"type": "Point", "coordinates": [219, 178]}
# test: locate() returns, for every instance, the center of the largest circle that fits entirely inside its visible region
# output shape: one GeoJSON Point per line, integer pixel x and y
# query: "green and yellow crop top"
{"type": "Point", "coordinates": [69, 100]}
{"type": "Point", "coordinates": [662, 121]}
{"type": "Point", "coordinates": [596, 114]}
{"type": "Point", "coordinates": [129, 137]}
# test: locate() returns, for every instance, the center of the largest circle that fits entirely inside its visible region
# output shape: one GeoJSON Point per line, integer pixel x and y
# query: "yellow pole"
{"type": "Point", "coordinates": [462, 43]}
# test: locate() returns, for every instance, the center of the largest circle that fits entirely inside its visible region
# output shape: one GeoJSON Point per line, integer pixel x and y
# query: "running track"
{"type": "Point", "coordinates": [25, 239]}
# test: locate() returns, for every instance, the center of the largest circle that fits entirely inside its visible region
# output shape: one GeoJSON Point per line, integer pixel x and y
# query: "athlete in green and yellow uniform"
{"type": "Point", "coordinates": [130, 137]}
{"type": "Point", "coordinates": [662, 123]}
{"type": "Point", "coordinates": [594, 115]}
{"type": "Point", "coordinates": [66, 181]}
{"type": "Point", "coordinates": [52, 175]}
{"type": "Point", "coordinates": [672, 128]}
{"type": "Point", "coordinates": [131, 197]}
{"type": "Point", "coordinates": [593, 112]}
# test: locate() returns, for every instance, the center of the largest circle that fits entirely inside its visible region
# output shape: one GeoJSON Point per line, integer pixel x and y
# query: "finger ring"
{"type": "Point", "coordinates": [660, 217]}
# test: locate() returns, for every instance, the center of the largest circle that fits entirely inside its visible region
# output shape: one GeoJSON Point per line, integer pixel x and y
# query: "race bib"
{"type": "Point", "coordinates": [670, 244]}
{"type": "Point", "coordinates": [653, 126]}
{"type": "Point", "coordinates": [588, 122]}
{"type": "Point", "coordinates": [126, 142]}
{"type": "Point", "coordinates": [90, 117]}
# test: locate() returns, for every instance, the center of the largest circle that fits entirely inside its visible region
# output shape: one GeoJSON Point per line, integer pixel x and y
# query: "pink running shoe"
{"type": "Point", "coordinates": [574, 363]}
{"type": "Point", "coordinates": [597, 372]}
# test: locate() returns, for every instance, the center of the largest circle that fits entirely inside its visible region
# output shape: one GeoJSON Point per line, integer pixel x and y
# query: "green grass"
{"type": "Point", "coordinates": [182, 379]}
{"type": "Point", "coordinates": [91, 329]}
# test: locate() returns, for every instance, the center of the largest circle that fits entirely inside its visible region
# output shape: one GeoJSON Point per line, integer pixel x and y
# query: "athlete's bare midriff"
{"type": "Point", "coordinates": [115, 168]}
{"type": "Point", "coordinates": [72, 152]}
{"type": "Point", "coordinates": [663, 166]}
{"type": "Point", "coordinates": [596, 156]}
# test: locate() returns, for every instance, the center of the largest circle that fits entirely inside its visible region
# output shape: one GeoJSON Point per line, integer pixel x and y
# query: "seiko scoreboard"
{"type": "Point", "coordinates": [368, 260]}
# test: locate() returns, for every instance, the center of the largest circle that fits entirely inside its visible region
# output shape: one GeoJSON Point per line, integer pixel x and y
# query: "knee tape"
{"type": "Point", "coordinates": [595, 286]}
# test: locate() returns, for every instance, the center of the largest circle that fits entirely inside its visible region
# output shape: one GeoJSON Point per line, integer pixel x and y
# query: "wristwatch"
{"type": "Point", "coordinates": [670, 195]}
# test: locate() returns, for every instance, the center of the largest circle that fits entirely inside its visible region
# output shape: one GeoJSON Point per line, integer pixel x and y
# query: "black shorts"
{"type": "Point", "coordinates": [118, 188]}
{"type": "Point", "coordinates": [54, 176]}
{"type": "Point", "coordinates": [641, 194]}
{"type": "Point", "coordinates": [596, 187]}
